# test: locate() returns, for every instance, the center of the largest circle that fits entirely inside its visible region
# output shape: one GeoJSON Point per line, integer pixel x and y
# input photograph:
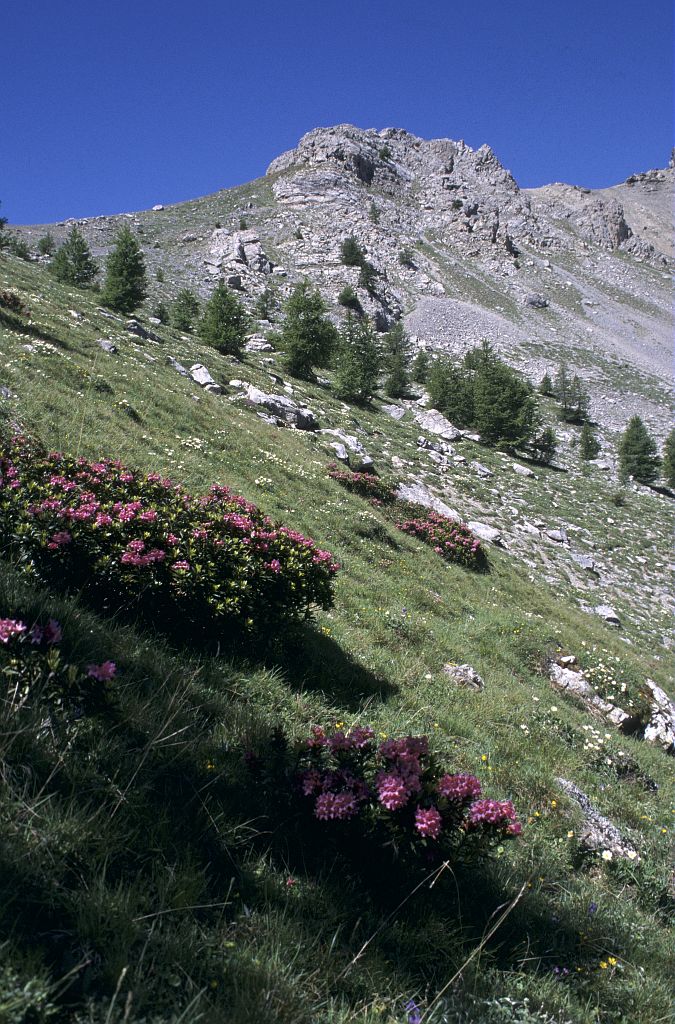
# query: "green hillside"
{"type": "Point", "coordinates": [149, 873]}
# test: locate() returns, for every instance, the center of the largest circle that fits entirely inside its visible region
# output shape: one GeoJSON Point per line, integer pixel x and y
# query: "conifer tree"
{"type": "Point", "coordinates": [72, 262]}
{"type": "Point", "coordinates": [224, 322]}
{"type": "Point", "coordinates": [396, 361]}
{"type": "Point", "coordinates": [420, 367]}
{"type": "Point", "coordinates": [451, 388]}
{"type": "Point", "coordinates": [358, 361]}
{"type": "Point", "coordinates": [638, 453]}
{"type": "Point", "coordinates": [669, 459]}
{"type": "Point", "coordinates": [544, 446]}
{"type": "Point", "coordinates": [546, 386]}
{"type": "Point", "coordinates": [589, 446]}
{"type": "Point", "coordinates": [351, 253]}
{"type": "Point", "coordinates": [504, 406]}
{"type": "Point", "coordinates": [184, 310]}
{"type": "Point", "coordinates": [46, 244]}
{"type": "Point", "coordinates": [307, 336]}
{"type": "Point", "coordinates": [124, 287]}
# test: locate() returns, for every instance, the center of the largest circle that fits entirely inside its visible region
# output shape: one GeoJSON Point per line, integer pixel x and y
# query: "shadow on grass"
{"type": "Point", "coordinates": [314, 661]}
{"type": "Point", "coordinates": [16, 323]}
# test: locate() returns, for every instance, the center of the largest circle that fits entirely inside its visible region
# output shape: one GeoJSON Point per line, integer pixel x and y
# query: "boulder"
{"type": "Point", "coordinates": [201, 376]}
{"type": "Point", "coordinates": [350, 440]}
{"type": "Point", "coordinates": [464, 675]}
{"type": "Point", "coordinates": [341, 453]}
{"type": "Point", "coordinates": [574, 681]}
{"type": "Point", "coordinates": [584, 561]}
{"type": "Point", "coordinates": [490, 534]}
{"type": "Point", "coordinates": [559, 536]}
{"type": "Point", "coordinates": [522, 470]}
{"type": "Point", "coordinates": [157, 207]}
{"type": "Point", "coordinates": [536, 300]}
{"type": "Point", "coordinates": [483, 471]}
{"type": "Point", "coordinates": [435, 422]}
{"type": "Point", "coordinates": [178, 367]}
{"type": "Point", "coordinates": [140, 331]}
{"type": "Point", "coordinates": [258, 345]}
{"type": "Point", "coordinates": [418, 494]}
{"type": "Point", "coordinates": [661, 727]}
{"type": "Point", "coordinates": [233, 281]}
{"type": "Point", "coordinates": [606, 612]}
{"type": "Point", "coordinates": [284, 408]}
{"type": "Point", "coordinates": [397, 412]}
{"type": "Point", "coordinates": [597, 833]}
{"type": "Point", "coordinates": [107, 346]}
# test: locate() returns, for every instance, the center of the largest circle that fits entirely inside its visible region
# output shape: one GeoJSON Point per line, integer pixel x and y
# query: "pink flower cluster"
{"type": "Point", "coordinates": [459, 788]}
{"type": "Point", "coordinates": [453, 540]}
{"type": "Point", "coordinates": [50, 634]}
{"type": "Point", "coordinates": [10, 628]}
{"type": "Point", "coordinates": [102, 673]}
{"type": "Point", "coordinates": [346, 771]}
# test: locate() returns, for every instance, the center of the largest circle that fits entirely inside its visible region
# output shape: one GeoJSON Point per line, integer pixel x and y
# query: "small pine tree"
{"type": "Point", "coordinates": [669, 459]}
{"type": "Point", "coordinates": [124, 287]}
{"type": "Point", "coordinates": [546, 386]}
{"type": "Point", "coordinates": [406, 258]}
{"type": "Point", "coordinates": [265, 305]}
{"type": "Point", "coordinates": [349, 299]}
{"type": "Point", "coordinates": [307, 336]}
{"type": "Point", "coordinates": [577, 402]}
{"type": "Point", "coordinates": [72, 262]}
{"type": "Point", "coordinates": [420, 367]}
{"type": "Point", "coordinates": [351, 253]}
{"type": "Point", "coordinates": [243, 226]}
{"type": "Point", "coordinates": [396, 361]}
{"type": "Point", "coordinates": [46, 244]}
{"type": "Point", "coordinates": [374, 213]}
{"type": "Point", "coordinates": [384, 153]}
{"type": "Point", "coordinates": [358, 361]}
{"type": "Point", "coordinates": [160, 275]}
{"type": "Point", "coordinates": [504, 406]}
{"type": "Point", "coordinates": [562, 384]}
{"type": "Point", "coordinates": [18, 246]}
{"type": "Point", "coordinates": [161, 312]}
{"type": "Point", "coordinates": [224, 322]}
{"type": "Point", "coordinates": [544, 446]}
{"type": "Point", "coordinates": [368, 277]}
{"type": "Point", "coordinates": [638, 453]}
{"type": "Point", "coordinates": [184, 310]}
{"type": "Point", "coordinates": [451, 391]}
{"type": "Point", "coordinates": [480, 356]}
{"type": "Point", "coordinates": [589, 446]}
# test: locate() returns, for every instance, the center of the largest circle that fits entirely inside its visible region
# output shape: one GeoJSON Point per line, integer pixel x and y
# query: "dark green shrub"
{"type": "Point", "coordinates": [368, 277]}
{"type": "Point", "coordinates": [420, 368]}
{"type": "Point", "coordinates": [589, 446]}
{"type": "Point", "coordinates": [13, 302]}
{"type": "Point", "coordinates": [544, 446]}
{"type": "Point", "coordinates": [161, 312]}
{"type": "Point", "coordinates": [451, 391]}
{"type": "Point", "coordinates": [395, 343]}
{"type": "Point", "coordinates": [124, 287]}
{"type": "Point", "coordinates": [224, 322]}
{"type": "Point", "coordinates": [406, 258]}
{"type": "Point", "coordinates": [46, 244]}
{"type": "Point", "coordinates": [546, 386]}
{"type": "Point", "coordinates": [366, 485]}
{"type": "Point", "coordinates": [374, 213]}
{"type": "Point", "coordinates": [350, 300]}
{"type": "Point", "coordinates": [357, 364]}
{"type": "Point", "coordinates": [351, 253]}
{"type": "Point", "coordinates": [307, 336]}
{"type": "Point", "coordinates": [184, 310]}
{"type": "Point", "coordinates": [384, 153]}
{"type": "Point", "coordinates": [638, 456]}
{"type": "Point", "coordinates": [73, 262]}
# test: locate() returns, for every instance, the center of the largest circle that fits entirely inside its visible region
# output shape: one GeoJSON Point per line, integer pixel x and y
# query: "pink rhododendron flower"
{"type": "Point", "coordinates": [10, 628]}
{"type": "Point", "coordinates": [459, 787]}
{"type": "Point", "coordinates": [392, 791]}
{"type": "Point", "coordinates": [59, 540]}
{"type": "Point", "coordinates": [335, 806]}
{"type": "Point", "coordinates": [428, 822]}
{"type": "Point", "coordinates": [102, 672]}
{"type": "Point", "coordinates": [491, 812]}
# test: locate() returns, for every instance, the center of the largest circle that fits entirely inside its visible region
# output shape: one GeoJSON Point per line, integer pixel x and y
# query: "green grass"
{"type": "Point", "coordinates": [123, 849]}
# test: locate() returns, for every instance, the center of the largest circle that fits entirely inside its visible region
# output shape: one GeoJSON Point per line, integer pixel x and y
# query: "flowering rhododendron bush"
{"type": "Point", "coordinates": [449, 538]}
{"type": "Point", "coordinates": [395, 787]}
{"type": "Point", "coordinates": [128, 540]}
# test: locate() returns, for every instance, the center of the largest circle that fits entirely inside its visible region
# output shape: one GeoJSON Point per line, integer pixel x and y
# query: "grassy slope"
{"type": "Point", "coordinates": [368, 660]}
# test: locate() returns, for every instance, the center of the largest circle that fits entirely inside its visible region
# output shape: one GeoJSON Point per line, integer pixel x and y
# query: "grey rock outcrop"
{"type": "Point", "coordinates": [434, 422]}
{"type": "Point", "coordinates": [598, 834]}
{"type": "Point", "coordinates": [464, 675]}
{"type": "Point", "coordinates": [284, 409]}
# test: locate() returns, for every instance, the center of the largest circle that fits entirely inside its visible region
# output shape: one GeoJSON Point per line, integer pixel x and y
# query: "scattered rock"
{"type": "Point", "coordinates": [536, 300]}
{"type": "Point", "coordinates": [607, 613]}
{"type": "Point", "coordinates": [435, 423]}
{"type": "Point", "coordinates": [464, 675]}
{"type": "Point", "coordinates": [598, 834]}
{"type": "Point", "coordinates": [418, 494]}
{"type": "Point", "coordinates": [483, 471]}
{"type": "Point", "coordinates": [285, 409]}
{"type": "Point", "coordinates": [157, 207]}
{"type": "Point", "coordinates": [134, 327]}
{"type": "Point", "coordinates": [341, 453]}
{"type": "Point", "coordinates": [201, 376]}
{"type": "Point", "coordinates": [601, 464]}
{"type": "Point", "coordinates": [233, 281]}
{"type": "Point", "coordinates": [584, 561]}
{"type": "Point", "coordinates": [661, 727]}
{"type": "Point", "coordinates": [350, 440]}
{"type": "Point", "coordinates": [258, 344]}
{"type": "Point", "coordinates": [522, 470]}
{"type": "Point", "coordinates": [178, 367]}
{"type": "Point", "coordinates": [397, 412]}
{"type": "Point", "coordinates": [559, 536]}
{"type": "Point", "coordinates": [490, 534]}
{"type": "Point", "coordinates": [5, 392]}
{"type": "Point", "coordinates": [107, 346]}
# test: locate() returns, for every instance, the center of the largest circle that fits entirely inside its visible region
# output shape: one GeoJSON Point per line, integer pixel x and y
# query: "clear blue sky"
{"type": "Point", "coordinates": [113, 105]}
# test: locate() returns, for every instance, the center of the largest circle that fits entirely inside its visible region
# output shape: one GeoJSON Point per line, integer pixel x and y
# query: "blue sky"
{"type": "Point", "coordinates": [107, 107]}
